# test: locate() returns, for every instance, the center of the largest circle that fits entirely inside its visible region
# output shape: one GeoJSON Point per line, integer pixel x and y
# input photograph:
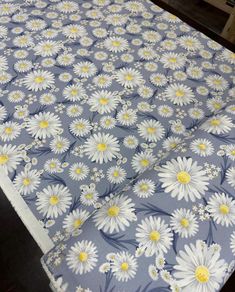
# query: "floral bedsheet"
{"type": "Point", "coordinates": [93, 94]}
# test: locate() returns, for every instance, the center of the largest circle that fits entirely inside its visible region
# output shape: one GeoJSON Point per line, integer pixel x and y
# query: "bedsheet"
{"type": "Point", "coordinates": [92, 95]}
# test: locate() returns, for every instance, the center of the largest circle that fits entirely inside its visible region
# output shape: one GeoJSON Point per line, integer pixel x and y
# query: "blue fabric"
{"type": "Point", "coordinates": [94, 96]}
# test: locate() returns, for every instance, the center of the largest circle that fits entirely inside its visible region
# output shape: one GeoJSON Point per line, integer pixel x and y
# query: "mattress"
{"type": "Point", "coordinates": [118, 107]}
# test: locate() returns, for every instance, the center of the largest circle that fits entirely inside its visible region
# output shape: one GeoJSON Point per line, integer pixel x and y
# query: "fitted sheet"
{"type": "Point", "coordinates": [92, 95]}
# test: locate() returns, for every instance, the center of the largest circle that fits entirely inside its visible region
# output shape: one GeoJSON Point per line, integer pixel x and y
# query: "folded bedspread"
{"type": "Point", "coordinates": [119, 112]}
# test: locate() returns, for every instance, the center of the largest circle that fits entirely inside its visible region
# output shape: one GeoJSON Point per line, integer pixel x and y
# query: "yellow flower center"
{"type": "Point", "coordinates": [85, 69]}
{"type": "Point", "coordinates": [232, 152]}
{"type": "Point", "coordinates": [144, 187]}
{"type": "Point", "coordinates": [217, 82]}
{"type": "Point", "coordinates": [172, 60]}
{"type": "Point", "coordinates": [144, 162]}
{"type": "Point", "coordinates": [78, 170]}
{"type": "Point", "coordinates": [202, 146]}
{"type": "Point", "coordinates": [116, 43]}
{"type": "Point", "coordinates": [47, 47]}
{"type": "Point", "coordinates": [151, 130]}
{"type": "Point", "coordinates": [82, 256]}
{"type": "Point", "coordinates": [80, 126]}
{"type": "Point", "coordinates": [126, 116]}
{"type": "Point", "coordinates": [107, 122]}
{"type": "Point", "coordinates": [103, 101]}
{"type": "Point", "coordinates": [52, 165]}
{"type": "Point", "coordinates": [179, 93]}
{"type": "Point", "coordinates": [101, 147]}
{"type": "Point", "coordinates": [128, 77]}
{"type": "Point", "coordinates": [8, 130]}
{"type": "Point", "coordinates": [39, 79]}
{"type": "Point", "coordinates": [183, 177]}
{"type": "Point", "coordinates": [215, 122]}
{"type": "Point", "coordinates": [77, 223]}
{"type": "Point", "coordinates": [124, 266]}
{"type": "Point", "coordinates": [74, 92]}
{"type": "Point", "coordinates": [26, 182]}
{"type": "Point", "coordinates": [116, 173]}
{"type": "Point", "coordinates": [202, 274]}
{"type": "Point", "coordinates": [54, 200]}
{"type": "Point", "coordinates": [59, 145]}
{"type": "Point", "coordinates": [184, 222]}
{"type": "Point", "coordinates": [154, 235]}
{"type": "Point", "coordinates": [74, 30]}
{"type": "Point", "coordinates": [3, 159]}
{"type": "Point", "coordinates": [89, 196]}
{"type": "Point", "coordinates": [224, 209]}
{"type": "Point", "coordinates": [113, 211]}
{"type": "Point", "coordinates": [173, 145]}
{"type": "Point", "coordinates": [43, 124]}
{"type": "Point", "coordinates": [217, 105]}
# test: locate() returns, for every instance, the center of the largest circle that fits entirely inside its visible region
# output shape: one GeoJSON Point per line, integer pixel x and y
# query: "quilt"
{"type": "Point", "coordinates": [117, 143]}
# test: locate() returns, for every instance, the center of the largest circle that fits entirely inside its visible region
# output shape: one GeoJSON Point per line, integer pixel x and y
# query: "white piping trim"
{"type": "Point", "coordinates": [30, 221]}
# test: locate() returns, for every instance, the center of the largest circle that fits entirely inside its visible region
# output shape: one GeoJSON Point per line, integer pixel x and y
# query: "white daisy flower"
{"type": "Point", "coordinates": [145, 91]}
{"type": "Point", "coordinates": [218, 124]}
{"type": "Point", "coordinates": [115, 215]}
{"type": "Point", "coordinates": [53, 201]}
{"type": "Point", "coordinates": [38, 80]}
{"type": "Point", "coordinates": [171, 143]}
{"type": "Point", "coordinates": [231, 109]}
{"type": "Point", "coordinates": [5, 77]}
{"type": "Point", "coordinates": [43, 125]}
{"type": "Point", "coordinates": [144, 188]}
{"type": "Point", "coordinates": [78, 171]}
{"type": "Point", "coordinates": [82, 257]}
{"type": "Point", "coordinates": [196, 113]}
{"type": "Point", "coordinates": [230, 176]}
{"type": "Point", "coordinates": [102, 80]}
{"type": "Point", "coordinates": [151, 36]}
{"type": "Point", "coordinates": [59, 145]}
{"type": "Point", "coordinates": [47, 48]}
{"type": "Point", "coordinates": [151, 130]}
{"type": "Point", "coordinates": [80, 127]}
{"type": "Point", "coordinates": [124, 266]}
{"type": "Point", "coordinates": [153, 272]}
{"type": "Point", "coordinates": [229, 150]}
{"type": "Point", "coordinates": [127, 117]}
{"type": "Point", "coordinates": [116, 44]}
{"type": "Point", "coordinates": [130, 142]}
{"type": "Point", "coordinates": [101, 148]}
{"type": "Point", "coordinates": [184, 222]}
{"type": "Point", "coordinates": [74, 92]}
{"type": "Point", "coordinates": [232, 242]}
{"type": "Point", "coordinates": [158, 79]}
{"type": "Point", "coordinates": [216, 82]}
{"type": "Point", "coordinates": [89, 196]}
{"type": "Point", "coordinates": [202, 147]}
{"type": "Point", "coordinates": [199, 268]}
{"type": "Point", "coordinates": [104, 101]}
{"type": "Point", "coordinates": [116, 19]}
{"type": "Point", "coordinates": [215, 104]}
{"type": "Point", "coordinates": [195, 72]}
{"type": "Point", "coordinates": [27, 181]}
{"type": "Point", "coordinates": [67, 6]}
{"type": "Point", "coordinates": [52, 165]}
{"type": "Point", "coordinates": [3, 63]}
{"type": "Point", "coordinates": [222, 209]}
{"type": "Point", "coordinates": [75, 219]}
{"type": "Point", "coordinates": [173, 61]}
{"type": "Point", "coordinates": [116, 174]}
{"type": "Point", "coordinates": [85, 69]}
{"type": "Point", "coordinates": [160, 261]}
{"type": "Point", "coordinates": [189, 43]}
{"type": "Point", "coordinates": [35, 24]}
{"type": "Point", "coordinates": [229, 56]}
{"type": "Point", "coordinates": [65, 59]}
{"type": "Point", "coordinates": [16, 96]}
{"type": "Point", "coordinates": [154, 235]}
{"type": "Point", "coordinates": [107, 122]}
{"type": "Point", "coordinates": [10, 157]}
{"type": "Point", "coordinates": [74, 31]}
{"type": "Point", "coordinates": [9, 131]}
{"type": "Point", "coordinates": [3, 113]}
{"type": "Point", "coordinates": [129, 78]}
{"type": "Point", "coordinates": [184, 179]}
{"type": "Point", "coordinates": [165, 111]}
{"type": "Point", "coordinates": [74, 110]}
{"type": "Point", "coordinates": [3, 31]}
{"type": "Point", "coordinates": [8, 8]}
{"type": "Point", "coordinates": [179, 94]}
{"type": "Point", "coordinates": [135, 7]}
{"type": "Point", "coordinates": [142, 161]}
{"type": "Point", "coordinates": [147, 53]}
{"type": "Point", "coordinates": [47, 99]}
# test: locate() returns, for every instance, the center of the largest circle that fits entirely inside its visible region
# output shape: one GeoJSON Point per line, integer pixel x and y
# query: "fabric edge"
{"type": "Point", "coordinates": [33, 226]}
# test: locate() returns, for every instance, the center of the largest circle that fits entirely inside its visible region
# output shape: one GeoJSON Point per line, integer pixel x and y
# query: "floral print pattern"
{"type": "Point", "coordinates": [106, 108]}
